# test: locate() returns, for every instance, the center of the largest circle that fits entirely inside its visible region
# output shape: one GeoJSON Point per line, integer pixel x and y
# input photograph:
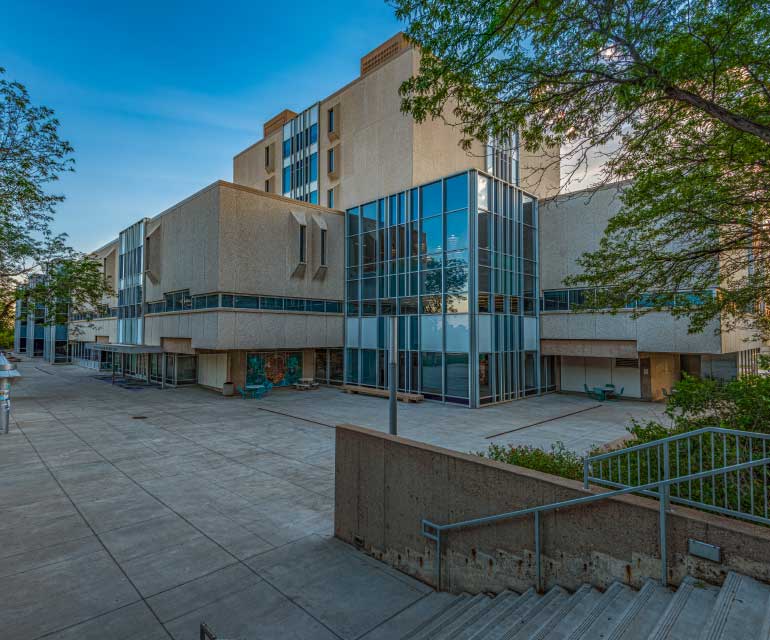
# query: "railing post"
{"type": "Point", "coordinates": [664, 498]}
{"type": "Point", "coordinates": [585, 473]}
{"type": "Point", "coordinates": [437, 568]}
{"type": "Point", "coordinates": [538, 555]}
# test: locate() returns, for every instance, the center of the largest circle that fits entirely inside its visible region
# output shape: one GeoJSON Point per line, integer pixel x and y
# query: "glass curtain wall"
{"type": "Point", "coordinates": [130, 283]}
{"type": "Point", "coordinates": [452, 260]}
{"type": "Point", "coordinates": [300, 156]}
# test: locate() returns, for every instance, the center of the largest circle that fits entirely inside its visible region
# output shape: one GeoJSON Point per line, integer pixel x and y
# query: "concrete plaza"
{"type": "Point", "coordinates": [138, 513]}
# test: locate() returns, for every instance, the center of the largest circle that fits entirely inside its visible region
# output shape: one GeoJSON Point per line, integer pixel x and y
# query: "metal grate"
{"type": "Point", "coordinates": [628, 363]}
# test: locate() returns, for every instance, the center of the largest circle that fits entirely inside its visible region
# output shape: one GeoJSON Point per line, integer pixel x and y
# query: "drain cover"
{"type": "Point", "coordinates": [139, 417]}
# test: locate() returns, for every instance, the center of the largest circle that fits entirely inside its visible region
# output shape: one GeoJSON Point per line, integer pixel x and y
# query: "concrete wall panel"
{"type": "Point", "coordinates": [386, 485]}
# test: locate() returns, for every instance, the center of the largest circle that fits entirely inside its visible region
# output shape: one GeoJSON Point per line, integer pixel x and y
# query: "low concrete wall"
{"type": "Point", "coordinates": [386, 485]}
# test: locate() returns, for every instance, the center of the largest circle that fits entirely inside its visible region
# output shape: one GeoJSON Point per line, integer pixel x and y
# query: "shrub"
{"type": "Point", "coordinates": [559, 461]}
{"type": "Point", "coordinates": [738, 404]}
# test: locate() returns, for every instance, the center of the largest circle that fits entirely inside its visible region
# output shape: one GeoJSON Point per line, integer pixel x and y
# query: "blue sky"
{"type": "Point", "coordinates": [157, 97]}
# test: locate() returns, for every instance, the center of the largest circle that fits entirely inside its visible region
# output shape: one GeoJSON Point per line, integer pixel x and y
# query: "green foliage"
{"type": "Point", "coordinates": [742, 404]}
{"type": "Point", "coordinates": [32, 156]}
{"type": "Point", "coordinates": [6, 337]}
{"type": "Point", "coordinates": [675, 97]}
{"type": "Point", "coordinates": [559, 461]}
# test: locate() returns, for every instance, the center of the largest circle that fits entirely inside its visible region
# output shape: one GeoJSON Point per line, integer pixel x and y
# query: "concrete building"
{"type": "Point", "coordinates": [356, 145]}
{"type": "Point", "coordinates": [40, 332]}
{"type": "Point", "coordinates": [347, 212]}
{"type": "Point", "coordinates": [643, 355]}
{"type": "Point", "coordinates": [230, 285]}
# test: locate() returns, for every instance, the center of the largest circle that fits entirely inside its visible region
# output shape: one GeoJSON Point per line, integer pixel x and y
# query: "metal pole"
{"type": "Point", "coordinates": [393, 375]}
{"type": "Point", "coordinates": [163, 371]}
{"type": "Point", "coordinates": [5, 404]}
{"type": "Point", "coordinates": [7, 373]}
{"type": "Point", "coordinates": [438, 561]}
{"type": "Point", "coordinates": [538, 554]}
{"type": "Point", "coordinates": [664, 497]}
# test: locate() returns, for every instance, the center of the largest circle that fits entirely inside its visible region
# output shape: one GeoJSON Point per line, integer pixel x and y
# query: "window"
{"type": "Point", "coordinates": [330, 120]}
{"type": "Point", "coordinates": [330, 198]}
{"type": "Point", "coordinates": [323, 247]}
{"type": "Point", "coordinates": [267, 157]}
{"type": "Point", "coordinates": [286, 180]}
{"type": "Point", "coordinates": [302, 243]}
{"type": "Point", "coordinates": [330, 160]}
{"type": "Point", "coordinates": [267, 186]}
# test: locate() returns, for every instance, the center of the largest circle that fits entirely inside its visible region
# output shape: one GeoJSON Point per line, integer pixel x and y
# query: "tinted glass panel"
{"type": "Point", "coordinates": [247, 302]}
{"type": "Point", "coordinates": [457, 230]}
{"type": "Point", "coordinates": [456, 192]}
{"type": "Point", "coordinates": [431, 199]}
{"type": "Point", "coordinates": [431, 239]}
{"type": "Point", "coordinates": [457, 375]}
{"type": "Point", "coordinates": [431, 373]}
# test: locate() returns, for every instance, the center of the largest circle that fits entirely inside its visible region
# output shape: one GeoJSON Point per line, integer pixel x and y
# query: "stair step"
{"type": "Point", "coordinates": [479, 609]}
{"type": "Point", "coordinates": [447, 614]}
{"type": "Point", "coordinates": [501, 603]}
{"type": "Point", "coordinates": [531, 607]}
{"type": "Point", "coordinates": [740, 609]}
{"type": "Point", "coordinates": [641, 616]}
{"type": "Point", "coordinates": [550, 604]}
{"type": "Point", "coordinates": [607, 613]}
{"type": "Point", "coordinates": [484, 626]}
{"type": "Point", "coordinates": [687, 611]}
{"type": "Point", "coordinates": [513, 622]}
{"type": "Point", "coordinates": [566, 608]}
{"type": "Point", "coordinates": [585, 599]}
{"type": "Point", "coordinates": [413, 616]}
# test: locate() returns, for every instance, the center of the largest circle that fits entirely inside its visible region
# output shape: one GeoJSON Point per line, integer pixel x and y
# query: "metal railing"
{"type": "Point", "coordinates": [661, 488]}
{"type": "Point", "coordinates": [741, 494]}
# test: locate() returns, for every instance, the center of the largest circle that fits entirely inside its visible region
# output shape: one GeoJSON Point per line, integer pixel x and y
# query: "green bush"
{"type": "Point", "coordinates": [559, 461]}
{"type": "Point", "coordinates": [742, 404]}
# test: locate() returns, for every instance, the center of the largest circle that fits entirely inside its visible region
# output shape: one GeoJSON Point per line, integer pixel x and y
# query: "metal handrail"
{"type": "Point", "coordinates": [680, 436]}
{"type": "Point", "coordinates": [693, 451]}
{"type": "Point", "coordinates": [428, 527]}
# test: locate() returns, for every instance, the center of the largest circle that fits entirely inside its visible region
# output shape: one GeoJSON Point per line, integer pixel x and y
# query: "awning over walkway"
{"type": "Point", "coordinates": [124, 348]}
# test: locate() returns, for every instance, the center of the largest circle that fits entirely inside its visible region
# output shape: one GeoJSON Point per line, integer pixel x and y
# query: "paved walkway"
{"type": "Point", "coordinates": [577, 421]}
{"type": "Point", "coordinates": [140, 513]}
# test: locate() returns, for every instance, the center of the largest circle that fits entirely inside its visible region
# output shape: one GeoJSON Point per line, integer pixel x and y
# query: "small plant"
{"type": "Point", "coordinates": [559, 461]}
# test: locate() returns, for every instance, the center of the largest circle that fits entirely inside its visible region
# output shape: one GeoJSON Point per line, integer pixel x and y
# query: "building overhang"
{"type": "Point", "coordinates": [124, 348]}
{"type": "Point", "coordinates": [590, 348]}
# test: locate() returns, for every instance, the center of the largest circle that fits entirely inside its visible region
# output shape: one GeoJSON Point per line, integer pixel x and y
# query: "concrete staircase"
{"type": "Point", "coordinates": [740, 609]}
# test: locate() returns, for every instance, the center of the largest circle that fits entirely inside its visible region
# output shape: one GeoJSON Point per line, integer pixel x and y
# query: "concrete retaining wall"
{"type": "Point", "coordinates": [386, 485]}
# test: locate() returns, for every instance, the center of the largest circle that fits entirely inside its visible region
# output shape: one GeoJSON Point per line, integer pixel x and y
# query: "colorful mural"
{"type": "Point", "coordinates": [282, 368]}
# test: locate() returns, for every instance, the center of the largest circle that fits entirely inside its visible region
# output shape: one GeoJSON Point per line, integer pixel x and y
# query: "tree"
{"type": "Point", "coordinates": [31, 157]}
{"type": "Point", "coordinates": [674, 96]}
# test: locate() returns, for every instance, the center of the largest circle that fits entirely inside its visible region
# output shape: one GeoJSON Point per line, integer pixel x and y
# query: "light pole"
{"type": "Point", "coordinates": [393, 375]}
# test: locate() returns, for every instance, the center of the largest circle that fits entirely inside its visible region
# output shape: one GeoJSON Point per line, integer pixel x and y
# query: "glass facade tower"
{"type": "Point", "coordinates": [300, 156]}
{"type": "Point", "coordinates": [130, 284]}
{"type": "Point", "coordinates": [456, 261]}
